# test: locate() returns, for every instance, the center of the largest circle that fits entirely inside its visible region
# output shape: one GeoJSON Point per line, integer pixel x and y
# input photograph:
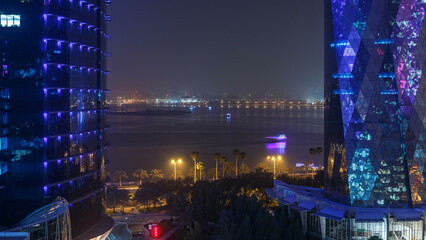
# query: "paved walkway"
{"type": "Point", "coordinates": [122, 220]}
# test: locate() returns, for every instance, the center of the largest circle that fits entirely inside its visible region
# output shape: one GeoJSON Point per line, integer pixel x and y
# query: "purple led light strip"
{"type": "Point", "coordinates": [73, 156]}
{"type": "Point", "coordinates": [77, 89]}
{"type": "Point", "coordinates": [59, 18]}
{"type": "Point", "coordinates": [74, 66]}
{"type": "Point", "coordinates": [87, 110]}
{"type": "Point", "coordinates": [72, 43]}
{"type": "Point", "coordinates": [76, 133]}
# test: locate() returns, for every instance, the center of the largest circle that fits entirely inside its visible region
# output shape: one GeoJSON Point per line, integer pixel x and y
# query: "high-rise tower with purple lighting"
{"type": "Point", "coordinates": [52, 107]}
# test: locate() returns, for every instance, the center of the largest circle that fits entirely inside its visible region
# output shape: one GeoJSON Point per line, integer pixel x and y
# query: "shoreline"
{"type": "Point", "coordinates": [151, 113]}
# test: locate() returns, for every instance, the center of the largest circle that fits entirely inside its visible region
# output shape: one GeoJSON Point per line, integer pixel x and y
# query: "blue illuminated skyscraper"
{"type": "Point", "coordinates": [375, 102]}
{"type": "Point", "coordinates": [52, 108]}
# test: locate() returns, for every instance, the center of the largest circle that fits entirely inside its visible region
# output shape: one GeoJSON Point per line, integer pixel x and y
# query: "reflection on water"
{"type": "Point", "coordinates": [151, 141]}
{"type": "Point", "coordinates": [277, 148]}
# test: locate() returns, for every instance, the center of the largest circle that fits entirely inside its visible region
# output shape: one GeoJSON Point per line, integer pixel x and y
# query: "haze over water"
{"type": "Point", "coordinates": [149, 142]}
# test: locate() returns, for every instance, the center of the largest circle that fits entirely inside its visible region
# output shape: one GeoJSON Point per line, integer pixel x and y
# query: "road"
{"type": "Point", "coordinates": [121, 233]}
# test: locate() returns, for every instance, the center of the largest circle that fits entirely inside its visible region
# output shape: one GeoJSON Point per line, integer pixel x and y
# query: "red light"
{"type": "Point", "coordinates": [155, 231]}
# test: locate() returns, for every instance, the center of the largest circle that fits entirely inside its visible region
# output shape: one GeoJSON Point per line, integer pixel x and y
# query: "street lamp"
{"type": "Point", "coordinates": [274, 158]}
{"type": "Point", "coordinates": [174, 163]}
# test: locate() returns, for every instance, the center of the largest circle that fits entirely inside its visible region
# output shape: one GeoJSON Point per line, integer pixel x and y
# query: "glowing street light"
{"type": "Point", "coordinates": [174, 163]}
{"type": "Point", "coordinates": [274, 158]}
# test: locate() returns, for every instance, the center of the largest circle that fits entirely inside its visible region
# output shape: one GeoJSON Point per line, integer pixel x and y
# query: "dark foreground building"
{"type": "Point", "coordinates": [52, 108]}
{"type": "Point", "coordinates": [375, 125]}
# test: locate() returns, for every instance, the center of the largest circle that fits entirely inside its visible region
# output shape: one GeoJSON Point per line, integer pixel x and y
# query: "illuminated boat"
{"type": "Point", "coordinates": [279, 138]}
{"type": "Point", "coordinates": [228, 115]}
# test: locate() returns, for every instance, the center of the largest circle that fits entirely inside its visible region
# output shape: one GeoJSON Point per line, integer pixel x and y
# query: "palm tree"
{"type": "Point", "coordinates": [312, 152]}
{"type": "Point", "coordinates": [195, 156]}
{"type": "Point", "coordinates": [228, 168]}
{"type": "Point", "coordinates": [243, 156]}
{"type": "Point", "coordinates": [244, 169]}
{"type": "Point", "coordinates": [262, 166]}
{"type": "Point", "coordinates": [236, 154]}
{"type": "Point", "coordinates": [223, 159]}
{"type": "Point", "coordinates": [119, 175]}
{"type": "Point", "coordinates": [211, 174]}
{"type": "Point", "coordinates": [156, 174]}
{"type": "Point", "coordinates": [200, 166]}
{"type": "Point", "coordinates": [216, 157]}
{"type": "Point", "coordinates": [319, 151]}
{"type": "Point", "coordinates": [140, 174]}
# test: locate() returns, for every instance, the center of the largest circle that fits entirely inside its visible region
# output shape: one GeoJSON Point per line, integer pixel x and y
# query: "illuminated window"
{"type": "Point", "coordinates": [3, 143]}
{"type": "Point", "coordinates": [10, 20]}
{"type": "Point", "coordinates": [3, 167]}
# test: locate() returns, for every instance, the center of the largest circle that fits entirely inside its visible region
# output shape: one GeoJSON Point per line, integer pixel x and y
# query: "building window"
{"type": "Point", "coordinates": [3, 167]}
{"type": "Point", "coordinates": [3, 143]}
{"type": "Point", "coordinates": [9, 20]}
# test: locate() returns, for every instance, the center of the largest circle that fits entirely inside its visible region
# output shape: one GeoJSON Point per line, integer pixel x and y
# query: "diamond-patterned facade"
{"type": "Point", "coordinates": [375, 102]}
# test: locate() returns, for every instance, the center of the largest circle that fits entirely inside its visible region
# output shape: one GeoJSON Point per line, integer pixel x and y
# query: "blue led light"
{"type": "Point", "coordinates": [343, 92]}
{"type": "Point", "coordinates": [389, 92]}
{"type": "Point", "coordinates": [340, 43]}
{"type": "Point", "coordinates": [383, 41]}
{"type": "Point", "coordinates": [387, 75]}
{"type": "Point", "coordinates": [342, 75]}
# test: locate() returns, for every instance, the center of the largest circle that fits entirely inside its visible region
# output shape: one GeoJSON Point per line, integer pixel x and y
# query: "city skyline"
{"type": "Point", "coordinates": [232, 119]}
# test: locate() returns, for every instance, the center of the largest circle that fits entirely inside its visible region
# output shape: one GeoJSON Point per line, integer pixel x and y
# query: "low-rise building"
{"type": "Point", "coordinates": [325, 219]}
{"type": "Point", "coordinates": [51, 221]}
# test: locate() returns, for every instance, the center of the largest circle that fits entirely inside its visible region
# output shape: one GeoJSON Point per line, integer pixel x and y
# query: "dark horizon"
{"type": "Point", "coordinates": [217, 47]}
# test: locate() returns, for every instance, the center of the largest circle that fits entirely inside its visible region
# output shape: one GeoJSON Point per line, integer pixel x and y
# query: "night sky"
{"type": "Point", "coordinates": [217, 46]}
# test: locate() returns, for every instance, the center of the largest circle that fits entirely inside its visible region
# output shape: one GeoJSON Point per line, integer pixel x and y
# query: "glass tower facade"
{"type": "Point", "coordinates": [52, 107]}
{"type": "Point", "coordinates": [375, 102]}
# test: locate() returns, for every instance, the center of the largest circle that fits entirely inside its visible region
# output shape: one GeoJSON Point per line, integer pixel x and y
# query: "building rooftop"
{"type": "Point", "coordinates": [307, 199]}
